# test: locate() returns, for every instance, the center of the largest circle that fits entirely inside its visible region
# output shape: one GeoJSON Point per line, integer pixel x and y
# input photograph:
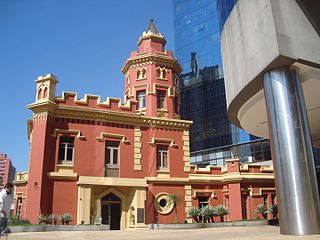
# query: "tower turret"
{"type": "Point", "coordinates": [46, 87]}
{"type": "Point", "coordinates": [151, 76]}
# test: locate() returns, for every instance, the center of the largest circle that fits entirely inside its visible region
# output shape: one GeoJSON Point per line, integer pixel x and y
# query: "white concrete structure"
{"type": "Point", "coordinates": [262, 42]}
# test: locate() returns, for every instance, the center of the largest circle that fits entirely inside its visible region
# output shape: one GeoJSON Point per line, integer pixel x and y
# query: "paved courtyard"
{"type": "Point", "coordinates": [248, 233]}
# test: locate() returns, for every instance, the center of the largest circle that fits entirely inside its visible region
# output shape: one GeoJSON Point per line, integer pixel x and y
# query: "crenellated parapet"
{"type": "Point", "coordinates": [93, 101]}
{"type": "Point", "coordinates": [231, 172]}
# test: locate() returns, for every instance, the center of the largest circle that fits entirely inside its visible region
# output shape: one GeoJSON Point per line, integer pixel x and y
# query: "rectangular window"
{"type": "Point", "coordinates": [161, 99]}
{"type": "Point", "coordinates": [66, 150]}
{"type": "Point", "coordinates": [162, 157]}
{"type": "Point", "coordinates": [112, 159]}
{"type": "Point", "coordinates": [19, 207]}
{"type": "Point", "coordinates": [142, 101]}
{"type": "Point", "coordinates": [112, 153]}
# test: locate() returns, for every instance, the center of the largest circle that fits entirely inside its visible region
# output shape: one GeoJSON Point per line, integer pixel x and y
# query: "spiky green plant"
{"type": "Point", "coordinates": [42, 218]}
{"type": "Point", "coordinates": [55, 218]}
{"type": "Point", "coordinates": [263, 210]}
{"type": "Point", "coordinates": [67, 217]}
{"type": "Point", "coordinates": [208, 212]}
{"type": "Point", "coordinates": [174, 199]}
{"type": "Point", "coordinates": [221, 211]}
{"type": "Point", "coordinates": [274, 211]}
{"type": "Point", "coordinates": [193, 212]}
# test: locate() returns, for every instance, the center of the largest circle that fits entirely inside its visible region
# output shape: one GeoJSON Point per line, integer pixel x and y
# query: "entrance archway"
{"type": "Point", "coordinates": [111, 211]}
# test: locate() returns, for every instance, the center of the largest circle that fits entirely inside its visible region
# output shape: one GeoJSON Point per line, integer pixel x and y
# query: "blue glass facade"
{"type": "Point", "coordinates": [224, 7]}
{"type": "Point", "coordinates": [197, 47]}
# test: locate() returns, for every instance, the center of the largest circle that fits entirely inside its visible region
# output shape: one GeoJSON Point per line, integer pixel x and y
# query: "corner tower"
{"type": "Point", "coordinates": [151, 76]}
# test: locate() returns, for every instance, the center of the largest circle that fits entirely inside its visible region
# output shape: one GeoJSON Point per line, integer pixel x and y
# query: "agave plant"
{"type": "Point", "coordinates": [274, 211]}
{"type": "Point", "coordinates": [54, 218]}
{"type": "Point", "coordinates": [221, 211]}
{"type": "Point", "coordinates": [42, 218]}
{"type": "Point", "coordinates": [194, 212]}
{"type": "Point", "coordinates": [208, 212]}
{"type": "Point", "coordinates": [66, 218]}
{"type": "Point", "coordinates": [263, 210]}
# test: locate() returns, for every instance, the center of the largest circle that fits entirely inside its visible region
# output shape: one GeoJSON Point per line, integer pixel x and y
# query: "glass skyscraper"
{"type": "Point", "coordinates": [197, 47]}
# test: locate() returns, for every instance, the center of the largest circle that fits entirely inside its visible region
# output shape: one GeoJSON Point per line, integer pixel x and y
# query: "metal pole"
{"type": "Point", "coordinates": [292, 154]}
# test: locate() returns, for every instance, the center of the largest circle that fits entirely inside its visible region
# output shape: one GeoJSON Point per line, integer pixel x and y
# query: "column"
{"type": "Point", "coordinates": [298, 197]}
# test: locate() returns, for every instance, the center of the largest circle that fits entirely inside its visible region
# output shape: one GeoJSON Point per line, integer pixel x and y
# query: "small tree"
{"type": "Point", "coordinates": [263, 210]}
{"type": "Point", "coordinates": [193, 212]}
{"type": "Point", "coordinates": [274, 211]}
{"type": "Point", "coordinates": [174, 199]}
{"type": "Point", "coordinates": [221, 211]}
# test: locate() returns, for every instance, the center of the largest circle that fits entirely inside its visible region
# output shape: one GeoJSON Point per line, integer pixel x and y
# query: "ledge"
{"type": "Point", "coordinates": [108, 181]}
{"type": "Point", "coordinates": [62, 175]}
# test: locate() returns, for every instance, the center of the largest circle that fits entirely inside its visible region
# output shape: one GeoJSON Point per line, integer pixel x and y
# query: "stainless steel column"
{"type": "Point", "coordinates": [296, 183]}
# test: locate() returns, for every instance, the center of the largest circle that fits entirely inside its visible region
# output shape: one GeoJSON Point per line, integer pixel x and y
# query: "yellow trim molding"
{"type": "Point", "coordinates": [170, 141]}
{"type": "Point", "coordinates": [66, 131]}
{"type": "Point", "coordinates": [104, 135]}
{"type": "Point", "coordinates": [62, 175]}
{"type": "Point", "coordinates": [108, 181]}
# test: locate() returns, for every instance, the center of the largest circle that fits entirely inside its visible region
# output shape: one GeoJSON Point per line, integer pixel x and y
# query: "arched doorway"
{"type": "Point", "coordinates": [111, 211]}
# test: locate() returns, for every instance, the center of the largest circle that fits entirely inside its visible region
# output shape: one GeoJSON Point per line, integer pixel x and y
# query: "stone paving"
{"type": "Point", "coordinates": [225, 233]}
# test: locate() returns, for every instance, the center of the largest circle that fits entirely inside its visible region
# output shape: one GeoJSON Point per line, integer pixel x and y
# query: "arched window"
{"type": "Point", "coordinates": [45, 93]}
{"type": "Point", "coordinates": [158, 73]}
{"type": "Point", "coordinates": [39, 94]}
{"type": "Point", "coordinates": [144, 73]}
{"type": "Point", "coordinates": [164, 73]}
{"type": "Point", "coordinates": [138, 74]}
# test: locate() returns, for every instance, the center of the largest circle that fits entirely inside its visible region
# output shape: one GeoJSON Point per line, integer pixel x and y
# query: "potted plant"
{"type": "Point", "coordinates": [193, 212]}
{"type": "Point", "coordinates": [263, 210]}
{"type": "Point", "coordinates": [67, 217]}
{"type": "Point", "coordinates": [221, 211]}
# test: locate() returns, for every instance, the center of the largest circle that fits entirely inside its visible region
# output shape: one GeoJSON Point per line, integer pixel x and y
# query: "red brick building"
{"type": "Point", "coordinates": [120, 160]}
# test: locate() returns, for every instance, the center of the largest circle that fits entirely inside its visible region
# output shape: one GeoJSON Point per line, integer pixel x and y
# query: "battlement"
{"type": "Point", "coordinates": [243, 168]}
{"type": "Point", "coordinates": [94, 101]}
{"type": "Point", "coordinates": [47, 77]}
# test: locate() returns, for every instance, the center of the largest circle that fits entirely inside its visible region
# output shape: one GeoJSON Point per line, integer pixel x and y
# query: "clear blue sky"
{"type": "Point", "coordinates": [83, 42]}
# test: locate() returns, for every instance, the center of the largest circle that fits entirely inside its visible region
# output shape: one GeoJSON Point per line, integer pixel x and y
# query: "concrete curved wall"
{"type": "Point", "coordinates": [260, 35]}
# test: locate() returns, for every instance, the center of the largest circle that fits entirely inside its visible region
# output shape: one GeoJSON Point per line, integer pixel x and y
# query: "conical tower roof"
{"type": "Point", "coordinates": [153, 34]}
{"type": "Point", "coordinates": [152, 28]}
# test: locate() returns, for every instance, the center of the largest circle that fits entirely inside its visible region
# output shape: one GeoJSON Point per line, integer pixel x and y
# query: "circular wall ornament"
{"type": "Point", "coordinates": [162, 203]}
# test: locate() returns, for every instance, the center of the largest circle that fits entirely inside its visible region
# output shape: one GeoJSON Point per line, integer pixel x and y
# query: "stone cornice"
{"type": "Point", "coordinates": [107, 116]}
{"type": "Point", "coordinates": [152, 58]}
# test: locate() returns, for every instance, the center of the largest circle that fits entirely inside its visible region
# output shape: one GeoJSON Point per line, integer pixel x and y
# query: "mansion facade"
{"type": "Point", "coordinates": [120, 161]}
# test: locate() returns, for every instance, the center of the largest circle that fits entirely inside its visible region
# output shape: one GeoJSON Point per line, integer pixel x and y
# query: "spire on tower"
{"type": "Point", "coordinates": [152, 28]}
{"type": "Point", "coordinates": [153, 34]}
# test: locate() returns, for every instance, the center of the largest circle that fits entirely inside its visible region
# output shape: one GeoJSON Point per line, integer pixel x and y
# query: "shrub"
{"type": "Point", "coordinates": [193, 212]}
{"type": "Point", "coordinates": [263, 210]}
{"type": "Point", "coordinates": [14, 220]}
